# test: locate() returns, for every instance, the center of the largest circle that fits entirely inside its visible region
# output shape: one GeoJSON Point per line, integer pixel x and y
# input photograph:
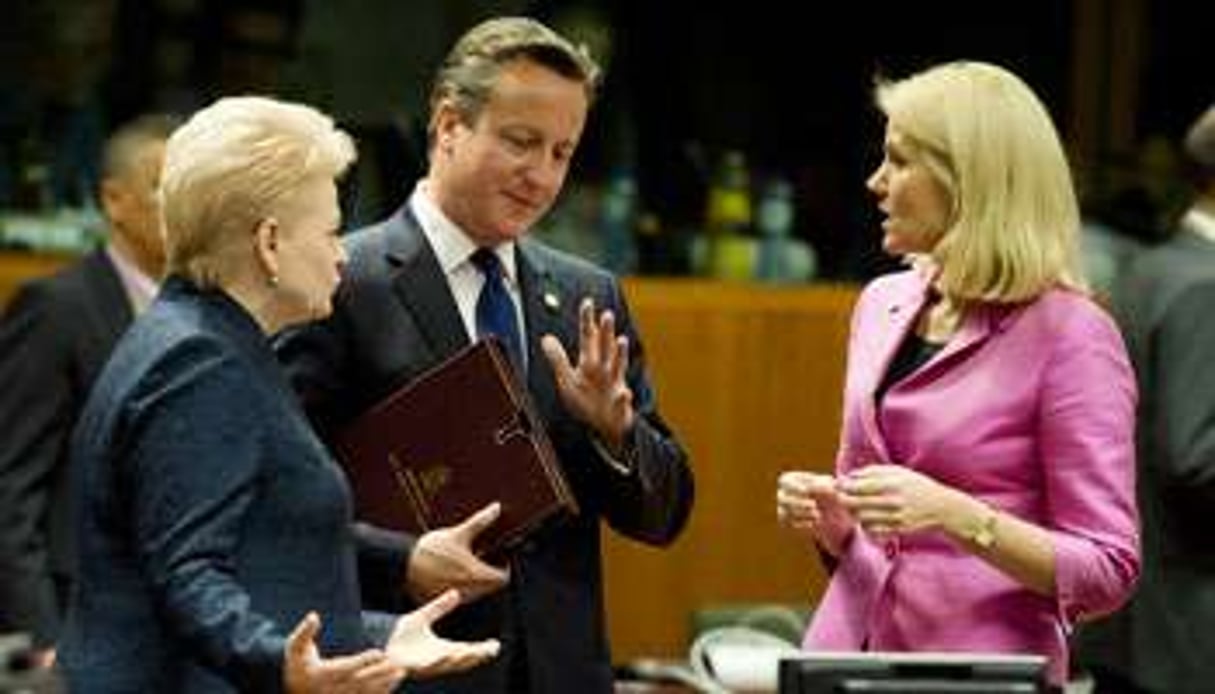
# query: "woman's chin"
{"type": "Point", "coordinates": [893, 246]}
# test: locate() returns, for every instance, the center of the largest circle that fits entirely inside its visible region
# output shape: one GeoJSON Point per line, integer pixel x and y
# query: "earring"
{"type": "Point", "coordinates": [272, 280]}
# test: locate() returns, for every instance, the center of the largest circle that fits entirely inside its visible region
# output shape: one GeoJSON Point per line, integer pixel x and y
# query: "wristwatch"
{"type": "Point", "coordinates": [983, 535]}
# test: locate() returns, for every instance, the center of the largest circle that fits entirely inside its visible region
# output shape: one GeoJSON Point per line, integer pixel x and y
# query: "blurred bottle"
{"type": "Point", "coordinates": [775, 225]}
{"type": "Point", "coordinates": [782, 258]}
{"type": "Point", "coordinates": [728, 253]}
{"type": "Point", "coordinates": [618, 222]}
{"type": "Point", "coordinates": [33, 185]}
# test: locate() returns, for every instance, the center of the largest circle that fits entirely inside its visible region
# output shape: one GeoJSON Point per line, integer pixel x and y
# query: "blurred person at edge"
{"type": "Point", "coordinates": [507, 112]}
{"type": "Point", "coordinates": [983, 494]}
{"type": "Point", "coordinates": [1158, 642]}
{"type": "Point", "coordinates": [54, 339]}
{"type": "Point", "coordinates": [215, 544]}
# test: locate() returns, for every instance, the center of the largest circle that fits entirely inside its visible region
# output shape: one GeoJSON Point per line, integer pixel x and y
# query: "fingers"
{"type": "Point", "coordinates": [806, 483]}
{"type": "Point", "coordinates": [301, 640]}
{"type": "Point", "coordinates": [305, 671]}
{"type": "Point", "coordinates": [438, 608]}
{"type": "Point", "coordinates": [600, 349]}
{"type": "Point", "coordinates": [795, 506]}
{"type": "Point", "coordinates": [620, 361]}
{"type": "Point", "coordinates": [598, 343]}
{"type": "Point", "coordinates": [557, 358]}
{"type": "Point", "coordinates": [353, 663]}
{"type": "Point", "coordinates": [472, 526]}
{"type": "Point", "coordinates": [863, 485]}
{"type": "Point", "coordinates": [475, 652]}
{"type": "Point", "coordinates": [486, 649]}
{"type": "Point", "coordinates": [588, 343]}
{"type": "Point", "coordinates": [606, 339]}
{"type": "Point", "coordinates": [369, 671]}
{"type": "Point", "coordinates": [458, 656]}
{"type": "Point", "coordinates": [487, 579]}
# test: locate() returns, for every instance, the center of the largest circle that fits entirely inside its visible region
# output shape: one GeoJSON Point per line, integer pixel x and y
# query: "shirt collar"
{"type": "Point", "coordinates": [451, 244]}
{"type": "Point", "coordinates": [140, 288]}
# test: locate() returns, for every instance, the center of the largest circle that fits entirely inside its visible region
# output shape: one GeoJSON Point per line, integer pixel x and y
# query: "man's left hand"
{"type": "Point", "coordinates": [594, 387]}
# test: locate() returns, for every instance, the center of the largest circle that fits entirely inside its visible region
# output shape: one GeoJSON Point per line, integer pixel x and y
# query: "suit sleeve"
{"type": "Point", "coordinates": [1181, 369]}
{"type": "Point", "coordinates": [192, 474]}
{"type": "Point", "coordinates": [37, 408]}
{"type": "Point", "coordinates": [383, 557]}
{"type": "Point", "coordinates": [652, 504]}
{"type": "Point", "coordinates": [1087, 425]}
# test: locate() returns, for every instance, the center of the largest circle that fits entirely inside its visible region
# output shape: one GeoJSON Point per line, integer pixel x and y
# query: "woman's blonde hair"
{"type": "Point", "coordinates": [1014, 226]}
{"type": "Point", "coordinates": [228, 166]}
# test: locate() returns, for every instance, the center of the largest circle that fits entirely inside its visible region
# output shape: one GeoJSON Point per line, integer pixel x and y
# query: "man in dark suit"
{"type": "Point", "coordinates": [54, 338]}
{"type": "Point", "coordinates": [1161, 641]}
{"type": "Point", "coordinates": [507, 110]}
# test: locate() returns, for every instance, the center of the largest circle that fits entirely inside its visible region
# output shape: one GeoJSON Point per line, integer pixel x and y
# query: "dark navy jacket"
{"type": "Point", "coordinates": [211, 519]}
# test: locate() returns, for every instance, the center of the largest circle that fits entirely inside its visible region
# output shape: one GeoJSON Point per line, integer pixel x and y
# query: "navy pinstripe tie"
{"type": "Point", "coordinates": [495, 309]}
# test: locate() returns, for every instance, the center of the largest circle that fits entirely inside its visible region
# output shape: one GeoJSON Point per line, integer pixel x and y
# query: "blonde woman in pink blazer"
{"type": "Point", "coordinates": [983, 495]}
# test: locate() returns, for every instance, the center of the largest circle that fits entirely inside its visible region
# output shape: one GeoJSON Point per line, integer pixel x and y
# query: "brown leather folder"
{"type": "Point", "coordinates": [444, 445]}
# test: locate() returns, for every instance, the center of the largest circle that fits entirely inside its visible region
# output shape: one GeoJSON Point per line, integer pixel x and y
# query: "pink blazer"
{"type": "Point", "coordinates": [1030, 408]}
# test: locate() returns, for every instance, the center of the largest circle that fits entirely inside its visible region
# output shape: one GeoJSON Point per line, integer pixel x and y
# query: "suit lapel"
{"type": "Point", "coordinates": [545, 309]}
{"type": "Point", "coordinates": [899, 315]}
{"type": "Point", "coordinates": [421, 286]}
{"type": "Point", "coordinates": [978, 325]}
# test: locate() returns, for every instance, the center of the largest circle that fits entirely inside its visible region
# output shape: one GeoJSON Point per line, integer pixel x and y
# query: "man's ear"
{"type": "Point", "coordinates": [445, 121]}
{"type": "Point", "coordinates": [265, 246]}
{"type": "Point", "coordinates": [112, 195]}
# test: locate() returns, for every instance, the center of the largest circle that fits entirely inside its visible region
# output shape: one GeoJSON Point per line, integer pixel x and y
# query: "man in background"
{"type": "Point", "coordinates": [507, 112]}
{"type": "Point", "coordinates": [1160, 641]}
{"type": "Point", "coordinates": [55, 336]}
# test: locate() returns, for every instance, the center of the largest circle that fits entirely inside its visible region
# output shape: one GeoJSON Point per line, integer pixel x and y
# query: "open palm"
{"type": "Point", "coordinates": [593, 386]}
{"type": "Point", "coordinates": [415, 646]}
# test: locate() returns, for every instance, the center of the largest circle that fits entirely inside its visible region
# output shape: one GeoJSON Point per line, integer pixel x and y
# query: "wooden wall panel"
{"type": "Point", "coordinates": [751, 379]}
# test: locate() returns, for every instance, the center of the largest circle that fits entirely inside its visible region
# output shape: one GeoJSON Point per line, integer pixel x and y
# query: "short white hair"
{"type": "Point", "coordinates": [226, 168]}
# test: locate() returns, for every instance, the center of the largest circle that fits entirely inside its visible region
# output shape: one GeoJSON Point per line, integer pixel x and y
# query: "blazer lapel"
{"type": "Point", "coordinates": [420, 285]}
{"type": "Point", "coordinates": [546, 311]}
{"type": "Point", "coordinates": [899, 315]}
{"type": "Point", "coordinates": [977, 326]}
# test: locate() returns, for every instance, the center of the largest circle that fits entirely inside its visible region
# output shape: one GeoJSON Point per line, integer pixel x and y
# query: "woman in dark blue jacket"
{"type": "Point", "coordinates": [216, 550]}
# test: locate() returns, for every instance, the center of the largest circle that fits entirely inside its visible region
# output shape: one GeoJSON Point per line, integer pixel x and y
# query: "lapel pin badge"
{"type": "Point", "coordinates": [551, 301]}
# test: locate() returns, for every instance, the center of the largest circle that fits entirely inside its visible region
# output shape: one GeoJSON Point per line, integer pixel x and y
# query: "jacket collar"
{"type": "Point", "coordinates": [420, 284]}
{"type": "Point", "coordinates": [900, 313]}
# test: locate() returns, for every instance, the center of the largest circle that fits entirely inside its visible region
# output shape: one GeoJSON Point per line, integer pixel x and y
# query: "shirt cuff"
{"type": "Point", "coordinates": [622, 465]}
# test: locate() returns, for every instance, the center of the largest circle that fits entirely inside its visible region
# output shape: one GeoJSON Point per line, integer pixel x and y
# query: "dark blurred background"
{"type": "Point", "coordinates": [784, 86]}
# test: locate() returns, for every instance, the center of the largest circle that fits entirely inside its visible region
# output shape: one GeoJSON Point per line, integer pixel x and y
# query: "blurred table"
{"type": "Point", "coordinates": [750, 377]}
